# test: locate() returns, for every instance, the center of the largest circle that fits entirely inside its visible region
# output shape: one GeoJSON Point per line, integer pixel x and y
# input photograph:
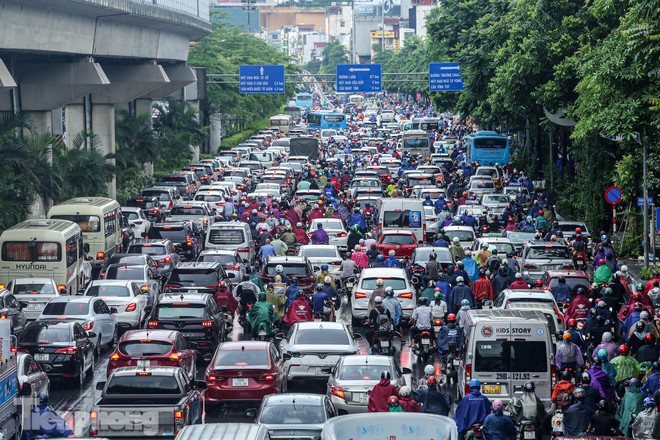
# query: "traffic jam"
{"type": "Point", "coordinates": [360, 255]}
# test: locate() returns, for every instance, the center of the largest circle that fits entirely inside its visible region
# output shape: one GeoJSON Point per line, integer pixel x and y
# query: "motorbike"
{"type": "Point", "coordinates": [292, 250]}
{"type": "Point", "coordinates": [474, 432]}
{"type": "Point", "coordinates": [383, 344]}
{"type": "Point", "coordinates": [422, 346]}
{"type": "Point", "coordinates": [527, 431]}
{"type": "Point", "coordinates": [452, 367]}
{"type": "Point", "coordinates": [557, 423]}
{"type": "Point", "coordinates": [580, 256]}
{"type": "Point", "coordinates": [347, 286]}
{"type": "Point", "coordinates": [227, 318]}
{"type": "Point", "coordinates": [242, 317]}
{"type": "Point", "coordinates": [437, 325]}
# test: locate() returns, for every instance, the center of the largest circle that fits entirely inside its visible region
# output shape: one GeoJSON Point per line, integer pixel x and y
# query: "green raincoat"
{"type": "Point", "coordinates": [602, 274]}
{"type": "Point", "coordinates": [262, 313]}
{"type": "Point", "coordinates": [626, 367]}
{"type": "Point", "coordinates": [632, 403]}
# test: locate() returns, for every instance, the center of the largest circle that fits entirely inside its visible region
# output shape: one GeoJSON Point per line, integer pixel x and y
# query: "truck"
{"type": "Point", "coordinates": [10, 409]}
{"type": "Point", "coordinates": [304, 146]}
{"type": "Point", "coordinates": [146, 402]}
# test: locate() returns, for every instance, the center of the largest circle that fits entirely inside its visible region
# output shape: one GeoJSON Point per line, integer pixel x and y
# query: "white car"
{"type": "Point", "coordinates": [319, 254]}
{"type": "Point", "coordinates": [29, 372]}
{"type": "Point", "coordinates": [230, 260]}
{"type": "Point", "coordinates": [136, 218]}
{"type": "Point", "coordinates": [126, 296]}
{"type": "Point", "coordinates": [395, 278]}
{"type": "Point", "coordinates": [92, 313]}
{"type": "Point", "coordinates": [465, 235]}
{"type": "Point", "coordinates": [431, 220]}
{"type": "Point", "coordinates": [335, 229]}
{"type": "Point", "coordinates": [36, 292]}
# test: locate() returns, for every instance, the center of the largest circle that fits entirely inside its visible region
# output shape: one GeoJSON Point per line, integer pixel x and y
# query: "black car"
{"type": "Point", "coordinates": [198, 277]}
{"type": "Point", "coordinates": [149, 205]}
{"type": "Point", "coordinates": [183, 182]}
{"type": "Point", "coordinates": [12, 309]}
{"type": "Point", "coordinates": [62, 348]}
{"type": "Point", "coordinates": [187, 237]}
{"type": "Point", "coordinates": [196, 316]}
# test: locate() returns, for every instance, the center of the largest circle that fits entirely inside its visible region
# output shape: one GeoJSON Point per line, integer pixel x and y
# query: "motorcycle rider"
{"type": "Point", "coordinates": [360, 257]}
{"type": "Point", "coordinates": [631, 404]}
{"type": "Point", "coordinates": [528, 408]}
{"type": "Point", "coordinates": [421, 319]}
{"type": "Point", "coordinates": [458, 294]}
{"type": "Point", "coordinates": [518, 283]}
{"type": "Point", "coordinates": [393, 404]}
{"type": "Point", "coordinates": [497, 426]}
{"type": "Point", "coordinates": [577, 417]}
{"type": "Point", "coordinates": [262, 315]}
{"type": "Point", "coordinates": [247, 294]}
{"type": "Point", "coordinates": [576, 336]}
{"type": "Point", "coordinates": [600, 380]}
{"type": "Point", "coordinates": [289, 238]}
{"type": "Point", "coordinates": [395, 309]}
{"type": "Point", "coordinates": [391, 260]}
{"type": "Point", "coordinates": [562, 291]}
{"type": "Point", "coordinates": [501, 281]}
{"type": "Point", "coordinates": [568, 354]}
{"type": "Point", "coordinates": [224, 298]}
{"type": "Point", "coordinates": [374, 321]}
{"type": "Point", "coordinates": [473, 408]}
{"type": "Point", "coordinates": [483, 289]}
{"type": "Point", "coordinates": [44, 422]}
{"type": "Point", "coordinates": [325, 272]}
{"type": "Point", "coordinates": [592, 396]}
{"type": "Point", "coordinates": [378, 291]}
{"type": "Point", "coordinates": [652, 383]}
{"type": "Point", "coordinates": [438, 306]}
{"type": "Point", "coordinates": [432, 268]}
{"type": "Point", "coordinates": [456, 250]}
{"type": "Point", "coordinates": [380, 393]}
{"type": "Point", "coordinates": [626, 365]}
{"type": "Point", "coordinates": [434, 399]}
{"type": "Point", "coordinates": [561, 393]}
{"type": "Point", "coordinates": [320, 301]}
{"type": "Point", "coordinates": [280, 247]}
{"type": "Point", "coordinates": [449, 339]}
{"type": "Point", "coordinates": [579, 306]}
{"type": "Point", "coordinates": [406, 402]}
{"type": "Point", "coordinates": [647, 423]}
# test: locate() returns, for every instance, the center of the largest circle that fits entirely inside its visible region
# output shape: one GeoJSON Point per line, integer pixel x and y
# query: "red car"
{"type": "Point", "coordinates": [153, 348]}
{"type": "Point", "coordinates": [244, 371]}
{"type": "Point", "coordinates": [402, 242]}
{"type": "Point", "coordinates": [574, 279]}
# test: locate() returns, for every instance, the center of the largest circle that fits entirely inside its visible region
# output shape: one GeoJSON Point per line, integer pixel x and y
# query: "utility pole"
{"type": "Point", "coordinates": [382, 25]}
{"type": "Point", "coordinates": [646, 202]}
{"type": "Point", "coordinates": [249, 12]}
{"type": "Point", "coordinates": [353, 37]}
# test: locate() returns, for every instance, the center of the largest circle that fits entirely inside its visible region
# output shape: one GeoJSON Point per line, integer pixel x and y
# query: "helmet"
{"type": "Point", "coordinates": [561, 279]}
{"type": "Point", "coordinates": [327, 280]}
{"type": "Point", "coordinates": [391, 253]}
{"type": "Point", "coordinates": [498, 405]}
{"type": "Point", "coordinates": [379, 257]}
{"type": "Point", "coordinates": [279, 268]}
{"type": "Point", "coordinates": [567, 336]}
{"type": "Point", "coordinates": [459, 279]}
{"type": "Point", "coordinates": [602, 354]}
{"type": "Point", "coordinates": [319, 287]}
{"type": "Point", "coordinates": [518, 275]}
{"type": "Point", "coordinates": [431, 381]}
{"type": "Point", "coordinates": [393, 401]}
{"type": "Point", "coordinates": [455, 240]}
{"type": "Point", "coordinates": [529, 386]}
{"type": "Point", "coordinates": [405, 391]}
{"type": "Point", "coordinates": [566, 375]}
{"type": "Point", "coordinates": [624, 350]}
{"type": "Point", "coordinates": [223, 283]}
{"type": "Point", "coordinates": [429, 370]}
{"type": "Point", "coordinates": [585, 377]}
{"type": "Point", "coordinates": [438, 294]}
{"type": "Point", "coordinates": [389, 291]}
{"type": "Point", "coordinates": [649, 402]}
{"type": "Point", "coordinates": [581, 291]}
{"type": "Point", "coordinates": [572, 323]}
{"type": "Point", "coordinates": [634, 382]}
{"type": "Point", "coordinates": [422, 301]}
{"type": "Point", "coordinates": [379, 282]}
{"type": "Point", "coordinates": [451, 317]}
{"type": "Point", "coordinates": [601, 261]}
{"type": "Point", "coordinates": [541, 212]}
{"type": "Point", "coordinates": [465, 302]}
{"type": "Point", "coordinates": [579, 393]}
{"type": "Point", "coordinates": [538, 283]}
{"type": "Point", "coordinates": [475, 383]}
{"type": "Point", "coordinates": [578, 230]}
{"type": "Point", "coordinates": [378, 299]}
{"type": "Point", "coordinates": [650, 338]}
{"type": "Point", "coordinates": [43, 398]}
{"type": "Point", "coordinates": [324, 267]}
{"type": "Point", "coordinates": [607, 337]}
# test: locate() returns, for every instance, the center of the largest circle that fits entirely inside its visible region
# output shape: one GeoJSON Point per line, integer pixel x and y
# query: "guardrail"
{"type": "Point", "coordinates": [196, 8]}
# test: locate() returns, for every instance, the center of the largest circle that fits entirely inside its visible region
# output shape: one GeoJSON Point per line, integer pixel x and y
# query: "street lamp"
{"type": "Point", "coordinates": [382, 25]}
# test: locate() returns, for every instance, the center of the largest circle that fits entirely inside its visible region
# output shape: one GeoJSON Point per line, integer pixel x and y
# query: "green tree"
{"type": "Point", "coordinates": [334, 53]}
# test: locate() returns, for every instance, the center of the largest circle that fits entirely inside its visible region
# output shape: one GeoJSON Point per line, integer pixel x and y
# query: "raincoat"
{"type": "Point", "coordinates": [277, 300]}
{"type": "Point", "coordinates": [409, 405]}
{"type": "Point", "coordinates": [601, 381]}
{"type": "Point", "coordinates": [299, 311]}
{"type": "Point", "coordinates": [45, 422]}
{"type": "Point", "coordinates": [497, 426]}
{"type": "Point", "coordinates": [626, 367]}
{"type": "Point", "coordinates": [527, 408]}
{"type": "Point", "coordinates": [471, 268]}
{"type": "Point", "coordinates": [602, 274]}
{"type": "Point", "coordinates": [632, 403]}
{"type": "Point", "coordinates": [382, 391]}
{"type": "Point", "coordinates": [647, 425]}
{"type": "Point", "coordinates": [473, 408]}
{"type": "Point", "coordinates": [262, 314]}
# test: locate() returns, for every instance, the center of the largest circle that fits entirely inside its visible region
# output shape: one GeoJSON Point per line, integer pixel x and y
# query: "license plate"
{"type": "Point", "coordinates": [262, 332]}
{"type": "Point", "coordinates": [364, 398]}
{"type": "Point", "coordinates": [143, 363]}
{"type": "Point", "coordinates": [492, 389]}
{"type": "Point", "coordinates": [529, 435]}
{"type": "Point", "coordinates": [239, 382]}
{"type": "Point", "coordinates": [34, 307]}
{"type": "Point", "coordinates": [426, 341]}
{"type": "Point", "coordinates": [455, 362]}
{"type": "Point", "coordinates": [41, 357]}
{"type": "Point", "coordinates": [436, 328]}
{"type": "Point", "coordinates": [193, 291]}
{"type": "Point", "coordinates": [384, 343]}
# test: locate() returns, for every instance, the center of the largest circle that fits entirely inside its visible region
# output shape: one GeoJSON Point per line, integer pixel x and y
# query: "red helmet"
{"type": "Point", "coordinates": [393, 400]}
{"type": "Point", "coordinates": [510, 219]}
{"type": "Point", "coordinates": [601, 261]}
{"type": "Point", "coordinates": [578, 230]}
{"type": "Point", "coordinates": [623, 349]}
{"type": "Point", "coordinates": [541, 212]}
{"type": "Point", "coordinates": [431, 380]}
{"type": "Point", "coordinates": [223, 283]}
{"type": "Point", "coordinates": [539, 283]}
{"type": "Point", "coordinates": [571, 323]}
{"type": "Point", "coordinates": [451, 317]}
{"type": "Point", "coordinates": [650, 337]}
{"type": "Point", "coordinates": [637, 297]}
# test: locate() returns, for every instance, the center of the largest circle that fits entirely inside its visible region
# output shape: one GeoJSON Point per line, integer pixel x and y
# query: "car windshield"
{"type": "Point", "coordinates": [570, 227]}
{"type": "Point", "coordinates": [319, 252]}
{"type": "Point", "coordinates": [520, 237]}
{"type": "Point", "coordinates": [487, 172]}
{"type": "Point", "coordinates": [289, 269]}
{"type": "Point", "coordinates": [44, 333]}
{"type": "Point", "coordinates": [196, 277]}
{"type": "Point", "coordinates": [181, 310]}
{"type": "Point", "coordinates": [496, 199]}
{"type": "Point", "coordinates": [399, 219]}
{"type": "Point", "coordinates": [241, 358]}
{"type": "Point", "coordinates": [129, 260]}
{"type": "Point", "coordinates": [145, 347]}
{"type": "Point", "coordinates": [513, 356]}
{"type": "Point", "coordinates": [142, 384]}
{"type": "Point", "coordinates": [176, 234]}
{"type": "Point", "coordinates": [224, 259]}
{"type": "Point", "coordinates": [481, 184]}
{"type": "Point", "coordinates": [462, 235]}
{"type": "Point", "coordinates": [549, 252]}
{"type": "Point", "coordinates": [147, 249]}
{"type": "Point", "coordinates": [400, 239]}
{"type": "Point", "coordinates": [34, 289]}
{"type": "Point", "coordinates": [292, 414]}
{"type": "Point", "coordinates": [125, 273]}
{"type": "Point", "coordinates": [131, 215]}
{"type": "Point", "coordinates": [422, 254]}
{"type": "Point", "coordinates": [321, 336]}
{"type": "Point", "coordinates": [363, 372]}
{"type": "Point", "coordinates": [394, 283]}
{"type": "Point", "coordinates": [109, 291]}
{"type": "Point", "coordinates": [188, 210]}
{"type": "Point", "coordinates": [66, 308]}
{"type": "Point", "coordinates": [502, 248]}
{"type": "Point", "coordinates": [226, 236]}
{"type": "Point", "coordinates": [573, 283]}
{"type": "Point", "coordinates": [366, 184]}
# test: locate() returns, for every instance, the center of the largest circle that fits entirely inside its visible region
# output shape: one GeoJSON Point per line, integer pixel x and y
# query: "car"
{"type": "Point", "coordinates": [34, 293]}
{"type": "Point", "coordinates": [166, 196]}
{"type": "Point", "coordinates": [127, 232]}
{"type": "Point", "coordinates": [214, 199]}
{"type": "Point", "coordinates": [309, 195]}
{"type": "Point", "coordinates": [532, 299]}
{"type": "Point", "coordinates": [493, 172]}
{"type": "Point", "coordinates": [319, 254]}
{"type": "Point", "coordinates": [61, 348]}
{"type": "Point", "coordinates": [199, 213]}
{"type": "Point", "coordinates": [137, 219]}
{"type": "Point", "coordinates": [574, 279]}
{"type": "Point", "coordinates": [30, 372]}
{"type": "Point", "coordinates": [147, 277]}
{"type": "Point", "coordinates": [393, 277]}
{"type": "Point", "coordinates": [496, 203]}
{"type": "Point", "coordinates": [92, 313]}
{"type": "Point", "coordinates": [12, 310]}
{"type": "Point", "coordinates": [187, 237]}
{"type": "Point", "coordinates": [481, 187]}
{"type": "Point", "coordinates": [184, 181]}
{"type": "Point", "coordinates": [420, 257]}
{"type": "Point", "coordinates": [538, 256]}
{"type": "Point", "coordinates": [150, 207]}
{"type": "Point", "coordinates": [402, 242]}
{"type": "Point", "coordinates": [311, 348]}
{"type": "Point", "coordinates": [197, 277]}
{"type": "Point", "coordinates": [149, 348]}
{"type": "Point", "coordinates": [161, 250]}
{"type": "Point", "coordinates": [568, 227]}
{"type": "Point", "coordinates": [353, 378]}
{"type": "Point", "coordinates": [496, 241]}
{"type": "Point", "coordinates": [519, 238]}
{"type": "Point", "coordinates": [230, 260]}
{"type": "Point", "coordinates": [365, 183]}
{"type": "Point", "coordinates": [295, 415]}
{"type": "Point", "coordinates": [465, 234]}
{"type": "Point", "coordinates": [294, 267]}
{"type": "Point", "coordinates": [132, 303]}
{"type": "Point", "coordinates": [196, 315]}
{"type": "Point", "coordinates": [130, 259]}
{"type": "Point", "coordinates": [335, 228]}
{"type": "Point", "coordinates": [244, 371]}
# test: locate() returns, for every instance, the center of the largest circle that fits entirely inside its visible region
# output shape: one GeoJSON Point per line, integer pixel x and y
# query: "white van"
{"type": "Point", "coordinates": [504, 349]}
{"type": "Point", "coordinates": [233, 236]}
{"type": "Point", "coordinates": [400, 213]}
{"type": "Point", "coordinates": [378, 426]}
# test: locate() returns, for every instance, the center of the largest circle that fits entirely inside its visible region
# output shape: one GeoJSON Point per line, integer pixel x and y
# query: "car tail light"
{"type": "Point", "coordinates": [174, 357]}
{"type": "Point", "coordinates": [131, 307]}
{"type": "Point", "coordinates": [19, 350]}
{"type": "Point", "coordinates": [553, 376]}
{"type": "Point", "coordinates": [171, 286]}
{"type": "Point", "coordinates": [100, 255]}
{"type": "Point", "coordinates": [360, 295]}
{"type": "Point", "coordinates": [407, 295]}
{"type": "Point", "coordinates": [171, 204]}
{"type": "Point", "coordinates": [568, 266]}
{"type": "Point", "coordinates": [93, 427]}
{"type": "Point", "coordinates": [529, 266]}
{"type": "Point", "coordinates": [114, 356]}
{"type": "Point", "coordinates": [338, 391]}
{"type": "Point", "coordinates": [233, 267]}
{"type": "Point", "coordinates": [152, 324]}
{"type": "Point", "coordinates": [101, 275]}
{"type": "Point", "coordinates": [87, 326]}
{"type": "Point", "coordinates": [67, 350]}
{"type": "Point", "coordinates": [189, 241]}
{"type": "Point", "coordinates": [341, 234]}
{"type": "Point", "coordinates": [468, 377]}
{"type": "Point", "coordinates": [154, 211]}
{"type": "Point", "coordinates": [167, 259]}
{"type": "Point", "coordinates": [337, 263]}
{"type": "Point", "coordinates": [179, 421]}
{"type": "Point", "coordinates": [243, 250]}
{"type": "Point", "coordinates": [207, 324]}
{"type": "Point", "coordinates": [424, 232]}
{"type": "Point", "coordinates": [2, 286]}
{"type": "Point", "coordinates": [267, 377]}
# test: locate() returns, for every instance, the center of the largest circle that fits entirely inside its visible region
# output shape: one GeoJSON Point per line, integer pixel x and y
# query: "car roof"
{"type": "Point", "coordinates": [112, 282]}
{"type": "Point", "coordinates": [320, 325]}
{"type": "Point", "coordinates": [198, 265]}
{"type": "Point", "coordinates": [155, 371]}
{"type": "Point", "coordinates": [299, 398]}
{"type": "Point", "coordinates": [158, 335]}
{"type": "Point", "coordinates": [188, 297]}
{"type": "Point", "coordinates": [73, 299]}
{"type": "Point", "coordinates": [32, 280]}
{"type": "Point", "coordinates": [567, 273]}
{"type": "Point", "coordinates": [397, 232]}
{"type": "Point", "coordinates": [528, 293]}
{"type": "Point", "coordinates": [387, 272]}
{"type": "Point", "coordinates": [287, 259]}
{"type": "Point", "coordinates": [244, 345]}
{"type": "Point", "coordinates": [458, 228]}
{"type": "Point", "coordinates": [358, 359]}
{"type": "Point", "coordinates": [156, 241]}
{"type": "Point", "coordinates": [218, 252]}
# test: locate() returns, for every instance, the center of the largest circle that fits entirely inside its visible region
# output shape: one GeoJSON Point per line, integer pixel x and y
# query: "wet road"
{"type": "Point", "coordinates": [74, 405]}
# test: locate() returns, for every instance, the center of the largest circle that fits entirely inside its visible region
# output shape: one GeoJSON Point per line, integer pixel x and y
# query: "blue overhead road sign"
{"type": "Point", "coordinates": [353, 78]}
{"type": "Point", "coordinates": [445, 77]}
{"type": "Point", "coordinates": [261, 79]}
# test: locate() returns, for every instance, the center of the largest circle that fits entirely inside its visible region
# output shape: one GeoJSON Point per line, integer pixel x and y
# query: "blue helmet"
{"type": "Point", "coordinates": [475, 383]}
{"type": "Point", "coordinates": [324, 267]}
{"type": "Point", "coordinates": [380, 258]}
{"type": "Point", "coordinates": [319, 287]}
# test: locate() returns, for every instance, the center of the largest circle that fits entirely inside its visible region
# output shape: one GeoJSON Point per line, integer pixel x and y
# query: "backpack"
{"type": "Point", "coordinates": [564, 398]}
{"type": "Point", "coordinates": [383, 323]}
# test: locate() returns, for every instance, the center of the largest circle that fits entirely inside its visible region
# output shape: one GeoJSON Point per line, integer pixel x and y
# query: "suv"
{"type": "Point", "coordinates": [162, 251]}
{"type": "Point", "coordinates": [294, 267]}
{"type": "Point", "coordinates": [185, 236]}
{"type": "Point", "coordinates": [183, 181]}
{"type": "Point", "coordinates": [196, 316]}
{"type": "Point", "coordinates": [149, 205]}
{"type": "Point", "coordinates": [538, 256]}
{"type": "Point", "coordinates": [568, 227]}
{"type": "Point", "coordinates": [166, 196]}
{"type": "Point", "coordinates": [197, 277]}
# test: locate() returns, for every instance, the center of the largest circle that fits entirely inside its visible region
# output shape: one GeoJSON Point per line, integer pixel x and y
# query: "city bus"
{"type": "Point", "coordinates": [99, 220]}
{"type": "Point", "coordinates": [488, 147]}
{"type": "Point", "coordinates": [304, 100]}
{"type": "Point", "coordinates": [416, 142]}
{"type": "Point", "coordinates": [357, 100]}
{"type": "Point", "coordinates": [294, 112]}
{"type": "Point", "coordinates": [426, 124]}
{"type": "Point", "coordinates": [321, 120]}
{"type": "Point", "coordinates": [282, 123]}
{"type": "Point", "coordinates": [45, 249]}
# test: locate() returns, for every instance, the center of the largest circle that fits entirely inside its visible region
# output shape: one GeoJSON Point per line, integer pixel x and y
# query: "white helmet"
{"type": "Point", "coordinates": [391, 253]}
{"type": "Point", "coordinates": [455, 240]}
{"type": "Point", "coordinates": [459, 279]}
{"type": "Point", "coordinates": [378, 299]}
{"type": "Point", "coordinates": [327, 280]}
{"type": "Point", "coordinates": [518, 275]}
{"type": "Point", "coordinates": [429, 370]}
{"type": "Point", "coordinates": [279, 268]}
{"type": "Point", "coordinates": [607, 337]}
{"type": "Point", "coordinates": [405, 391]}
{"type": "Point", "coordinates": [624, 269]}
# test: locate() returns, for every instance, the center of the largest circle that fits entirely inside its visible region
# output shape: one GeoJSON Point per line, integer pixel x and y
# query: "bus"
{"type": "Point", "coordinates": [294, 112]}
{"type": "Point", "coordinates": [416, 142]}
{"type": "Point", "coordinates": [426, 124]}
{"type": "Point", "coordinates": [99, 220]}
{"type": "Point", "coordinates": [282, 123]}
{"type": "Point", "coordinates": [304, 100]}
{"type": "Point", "coordinates": [357, 100]}
{"type": "Point", "coordinates": [488, 147]}
{"type": "Point", "coordinates": [321, 120]}
{"type": "Point", "coordinates": [45, 249]}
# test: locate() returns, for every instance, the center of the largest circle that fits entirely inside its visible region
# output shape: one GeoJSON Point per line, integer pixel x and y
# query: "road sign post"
{"type": "Point", "coordinates": [613, 197]}
{"type": "Point", "coordinates": [355, 78]}
{"type": "Point", "coordinates": [261, 79]}
{"type": "Point", "coordinates": [445, 77]}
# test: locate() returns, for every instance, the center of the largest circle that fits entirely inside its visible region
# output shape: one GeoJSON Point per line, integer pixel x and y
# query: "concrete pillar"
{"type": "Point", "coordinates": [215, 136]}
{"type": "Point", "coordinates": [42, 121]}
{"type": "Point", "coordinates": [143, 105]}
{"type": "Point", "coordinates": [103, 125]}
{"type": "Point", "coordinates": [74, 121]}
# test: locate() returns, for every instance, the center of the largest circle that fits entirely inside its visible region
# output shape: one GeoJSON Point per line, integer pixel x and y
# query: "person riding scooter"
{"type": "Point", "coordinates": [44, 422]}
{"type": "Point", "coordinates": [262, 316]}
{"type": "Point", "coordinates": [528, 408]}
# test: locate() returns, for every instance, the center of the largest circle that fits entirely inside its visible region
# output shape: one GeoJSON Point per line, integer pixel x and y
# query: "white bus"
{"type": "Point", "coordinates": [358, 100]}
{"type": "Point", "coordinates": [44, 249]}
{"type": "Point", "coordinates": [282, 123]}
{"type": "Point", "coordinates": [99, 220]}
{"type": "Point", "coordinates": [416, 142]}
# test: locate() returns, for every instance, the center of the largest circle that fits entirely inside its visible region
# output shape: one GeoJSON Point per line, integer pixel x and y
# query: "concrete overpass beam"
{"type": "Point", "coordinates": [103, 125]}
{"type": "Point", "coordinates": [128, 82]}
{"type": "Point", "coordinates": [179, 75]}
{"type": "Point", "coordinates": [7, 83]}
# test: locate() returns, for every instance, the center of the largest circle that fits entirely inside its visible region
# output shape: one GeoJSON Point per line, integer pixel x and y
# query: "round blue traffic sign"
{"type": "Point", "coordinates": [613, 195]}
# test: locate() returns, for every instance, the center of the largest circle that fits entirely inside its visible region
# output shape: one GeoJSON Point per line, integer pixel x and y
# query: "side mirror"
{"type": "Point", "coordinates": [231, 275]}
{"type": "Point", "coordinates": [100, 385]}
{"type": "Point", "coordinates": [316, 269]}
{"type": "Point", "coordinates": [251, 413]}
{"type": "Point", "coordinates": [193, 345]}
{"type": "Point", "coordinates": [279, 336]}
{"type": "Point", "coordinates": [287, 356]}
{"type": "Point", "coordinates": [23, 304]}
{"type": "Point", "coordinates": [26, 389]}
{"type": "Point", "coordinates": [200, 384]}
{"type": "Point", "coordinates": [113, 309]}
{"type": "Point", "coordinates": [406, 371]}
{"type": "Point", "coordinates": [246, 261]}
{"type": "Point", "coordinates": [91, 335]}
{"type": "Point", "coordinates": [328, 370]}
{"type": "Point", "coordinates": [86, 248]}
{"type": "Point", "coordinates": [357, 337]}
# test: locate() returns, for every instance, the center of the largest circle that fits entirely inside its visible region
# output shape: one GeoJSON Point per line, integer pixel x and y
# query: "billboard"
{"type": "Point", "coordinates": [376, 8]}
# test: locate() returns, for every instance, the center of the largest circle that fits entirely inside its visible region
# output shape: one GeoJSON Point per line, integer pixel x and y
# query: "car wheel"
{"type": "Point", "coordinates": [115, 338]}
{"type": "Point", "coordinates": [91, 365]}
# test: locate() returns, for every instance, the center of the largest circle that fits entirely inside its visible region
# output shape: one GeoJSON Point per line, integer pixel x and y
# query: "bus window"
{"type": "Point", "coordinates": [31, 251]}
{"type": "Point", "coordinates": [87, 223]}
{"type": "Point", "coordinates": [71, 251]}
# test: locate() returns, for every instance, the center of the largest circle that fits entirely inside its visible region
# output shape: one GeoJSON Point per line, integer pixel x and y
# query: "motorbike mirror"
{"type": "Point", "coordinates": [251, 413]}
{"type": "Point", "coordinates": [100, 385]}
{"type": "Point", "coordinates": [406, 371]}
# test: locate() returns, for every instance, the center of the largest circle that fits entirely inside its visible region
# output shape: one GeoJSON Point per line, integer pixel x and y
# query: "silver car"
{"type": "Point", "coordinates": [127, 297]}
{"type": "Point", "coordinates": [495, 203]}
{"type": "Point", "coordinates": [35, 292]}
{"type": "Point", "coordinates": [319, 254]}
{"type": "Point", "coordinates": [229, 259]}
{"type": "Point", "coordinates": [536, 257]}
{"type": "Point", "coordinates": [293, 415]}
{"type": "Point", "coordinates": [335, 229]}
{"type": "Point", "coordinates": [312, 348]}
{"type": "Point", "coordinates": [395, 278]}
{"type": "Point", "coordinates": [355, 376]}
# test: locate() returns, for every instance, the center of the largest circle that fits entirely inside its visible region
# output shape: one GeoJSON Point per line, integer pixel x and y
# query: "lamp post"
{"type": "Point", "coordinates": [382, 25]}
